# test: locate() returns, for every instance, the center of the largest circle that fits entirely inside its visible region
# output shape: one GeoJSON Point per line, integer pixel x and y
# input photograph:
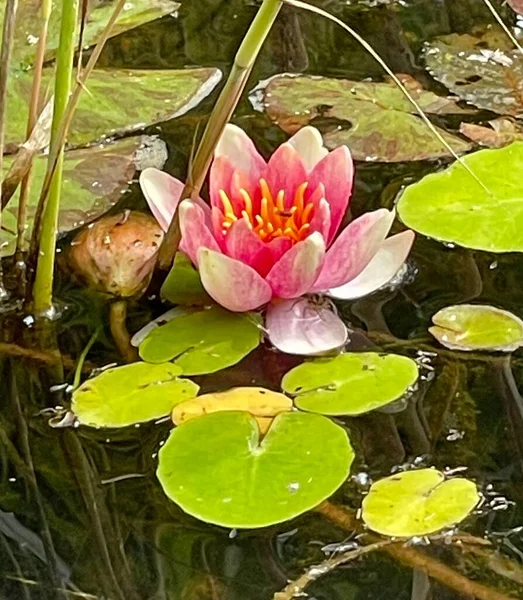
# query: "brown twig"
{"type": "Point", "coordinates": [117, 317]}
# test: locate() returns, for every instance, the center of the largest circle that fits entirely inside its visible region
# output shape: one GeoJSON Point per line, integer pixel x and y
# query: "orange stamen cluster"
{"type": "Point", "coordinates": [273, 219]}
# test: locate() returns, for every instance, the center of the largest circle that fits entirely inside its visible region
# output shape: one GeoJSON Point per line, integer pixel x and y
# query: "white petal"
{"type": "Point", "coordinates": [162, 192]}
{"type": "Point", "coordinates": [381, 269]}
{"type": "Point", "coordinates": [238, 147]}
{"type": "Point", "coordinates": [304, 327]}
{"type": "Point", "coordinates": [309, 144]}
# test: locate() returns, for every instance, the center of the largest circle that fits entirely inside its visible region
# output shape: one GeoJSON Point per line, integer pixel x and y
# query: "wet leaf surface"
{"type": "Point", "coordinates": [131, 394]}
{"type": "Point", "coordinates": [374, 120]}
{"type": "Point", "coordinates": [203, 342]}
{"type": "Point", "coordinates": [350, 384]}
{"type": "Point", "coordinates": [461, 211]}
{"type": "Point", "coordinates": [471, 327]}
{"type": "Point", "coordinates": [416, 503]}
{"type": "Point", "coordinates": [301, 461]}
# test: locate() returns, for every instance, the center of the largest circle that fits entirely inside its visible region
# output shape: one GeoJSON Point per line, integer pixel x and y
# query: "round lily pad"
{"type": "Point", "coordinates": [131, 394]}
{"type": "Point", "coordinates": [462, 212]}
{"type": "Point", "coordinates": [477, 327]}
{"type": "Point", "coordinates": [350, 384]}
{"type": "Point", "coordinates": [203, 342]}
{"type": "Point", "coordinates": [217, 470]}
{"type": "Point", "coordinates": [417, 503]}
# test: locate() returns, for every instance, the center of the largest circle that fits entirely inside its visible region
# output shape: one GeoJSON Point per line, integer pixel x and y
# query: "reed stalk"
{"type": "Point", "coordinates": [223, 110]}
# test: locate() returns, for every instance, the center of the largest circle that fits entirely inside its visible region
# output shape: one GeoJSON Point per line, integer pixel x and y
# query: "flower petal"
{"type": "Point", "coordinates": [195, 231]}
{"type": "Point", "coordinates": [381, 269]}
{"type": "Point", "coordinates": [233, 284]}
{"type": "Point", "coordinates": [297, 270]}
{"type": "Point", "coordinates": [354, 249]}
{"type": "Point", "coordinates": [162, 192]}
{"type": "Point", "coordinates": [244, 245]}
{"type": "Point", "coordinates": [303, 327]}
{"type": "Point", "coordinates": [336, 172]}
{"type": "Point", "coordinates": [285, 171]}
{"type": "Point", "coordinates": [309, 144]}
{"type": "Point", "coordinates": [238, 147]}
{"type": "Point", "coordinates": [321, 221]}
{"type": "Point", "coordinates": [278, 246]}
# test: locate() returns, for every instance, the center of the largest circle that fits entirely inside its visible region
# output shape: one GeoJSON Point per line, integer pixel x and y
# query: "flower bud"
{"type": "Point", "coordinates": [116, 255]}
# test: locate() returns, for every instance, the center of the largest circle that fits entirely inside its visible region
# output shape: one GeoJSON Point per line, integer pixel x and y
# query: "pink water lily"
{"type": "Point", "coordinates": [269, 235]}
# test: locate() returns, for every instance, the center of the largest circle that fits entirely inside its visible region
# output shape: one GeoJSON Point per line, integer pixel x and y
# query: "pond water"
{"type": "Point", "coordinates": [81, 512]}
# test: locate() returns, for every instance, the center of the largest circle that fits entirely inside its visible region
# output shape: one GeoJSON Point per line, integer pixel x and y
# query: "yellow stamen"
{"type": "Point", "coordinates": [247, 202]}
{"type": "Point", "coordinates": [280, 204]}
{"type": "Point", "coordinates": [299, 199]}
{"type": "Point", "coordinates": [266, 192]}
{"type": "Point", "coordinates": [305, 217]}
{"type": "Point", "coordinates": [228, 209]}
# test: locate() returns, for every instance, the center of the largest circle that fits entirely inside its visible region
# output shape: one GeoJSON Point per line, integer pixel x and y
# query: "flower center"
{"type": "Point", "coordinates": [273, 219]}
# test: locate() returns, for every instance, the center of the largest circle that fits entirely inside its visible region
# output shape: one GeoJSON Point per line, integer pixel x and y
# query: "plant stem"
{"type": "Point", "coordinates": [5, 60]}
{"type": "Point", "coordinates": [43, 287]}
{"type": "Point", "coordinates": [223, 110]}
{"type": "Point", "coordinates": [117, 317]}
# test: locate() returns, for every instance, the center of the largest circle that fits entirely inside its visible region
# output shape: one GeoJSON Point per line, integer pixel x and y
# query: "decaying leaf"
{"type": "Point", "coordinates": [500, 132]}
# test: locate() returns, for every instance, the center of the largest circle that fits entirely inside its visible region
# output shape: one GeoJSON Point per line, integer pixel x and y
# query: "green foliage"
{"type": "Point", "coordinates": [183, 284]}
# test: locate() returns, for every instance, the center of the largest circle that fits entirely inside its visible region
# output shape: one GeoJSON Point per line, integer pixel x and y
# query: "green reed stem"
{"type": "Point", "coordinates": [43, 286]}
{"type": "Point", "coordinates": [227, 102]}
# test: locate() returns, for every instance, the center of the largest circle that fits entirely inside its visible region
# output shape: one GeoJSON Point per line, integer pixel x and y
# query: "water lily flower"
{"type": "Point", "coordinates": [271, 235]}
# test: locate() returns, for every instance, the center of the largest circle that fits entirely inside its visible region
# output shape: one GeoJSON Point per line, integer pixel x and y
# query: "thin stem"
{"type": "Point", "coordinates": [43, 287]}
{"type": "Point", "coordinates": [117, 317]}
{"type": "Point", "coordinates": [223, 110]}
{"type": "Point", "coordinates": [83, 356]}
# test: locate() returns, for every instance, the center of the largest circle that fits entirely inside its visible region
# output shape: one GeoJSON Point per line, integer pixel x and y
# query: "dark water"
{"type": "Point", "coordinates": [82, 510]}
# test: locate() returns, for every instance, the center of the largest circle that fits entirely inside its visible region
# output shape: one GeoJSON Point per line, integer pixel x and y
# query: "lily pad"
{"type": "Point", "coordinates": [451, 206]}
{"type": "Point", "coordinates": [374, 120]}
{"type": "Point", "coordinates": [477, 327]}
{"type": "Point", "coordinates": [350, 384]}
{"type": "Point", "coordinates": [500, 132]}
{"type": "Point", "coordinates": [203, 342]}
{"type": "Point", "coordinates": [94, 180]}
{"type": "Point", "coordinates": [486, 71]}
{"type": "Point", "coordinates": [118, 101]}
{"type": "Point", "coordinates": [416, 503]}
{"type": "Point", "coordinates": [183, 284]}
{"type": "Point", "coordinates": [131, 394]}
{"type": "Point", "coordinates": [217, 470]}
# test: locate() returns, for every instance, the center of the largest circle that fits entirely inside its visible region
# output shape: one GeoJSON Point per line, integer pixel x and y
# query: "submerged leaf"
{"type": "Point", "coordinates": [302, 460]}
{"type": "Point", "coordinates": [350, 384]}
{"type": "Point", "coordinates": [500, 133]}
{"type": "Point", "coordinates": [131, 394]}
{"type": "Point", "coordinates": [374, 120]}
{"type": "Point", "coordinates": [203, 342]}
{"type": "Point", "coordinates": [461, 211]}
{"type": "Point", "coordinates": [477, 327]}
{"type": "Point", "coordinates": [416, 503]}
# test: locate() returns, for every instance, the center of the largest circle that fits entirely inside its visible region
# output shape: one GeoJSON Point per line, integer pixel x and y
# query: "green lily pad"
{"type": "Point", "coordinates": [203, 342]}
{"type": "Point", "coordinates": [131, 394]}
{"type": "Point", "coordinates": [183, 284]}
{"type": "Point", "coordinates": [118, 101]}
{"type": "Point", "coordinates": [451, 206]}
{"type": "Point", "coordinates": [417, 503]}
{"type": "Point", "coordinates": [375, 120]}
{"type": "Point", "coordinates": [217, 469]}
{"type": "Point", "coordinates": [350, 384]}
{"type": "Point", "coordinates": [477, 327]}
{"type": "Point", "coordinates": [94, 180]}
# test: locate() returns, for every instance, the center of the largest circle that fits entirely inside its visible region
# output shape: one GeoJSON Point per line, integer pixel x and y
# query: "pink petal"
{"type": "Point", "coordinates": [217, 219]}
{"type": "Point", "coordinates": [297, 270]}
{"type": "Point", "coordinates": [321, 221]}
{"type": "Point", "coordinates": [238, 147]}
{"type": "Point", "coordinates": [285, 171]}
{"type": "Point", "coordinates": [195, 231]}
{"type": "Point", "coordinates": [303, 327]}
{"type": "Point", "coordinates": [336, 173]}
{"type": "Point", "coordinates": [233, 284]}
{"type": "Point", "coordinates": [224, 176]}
{"type": "Point", "coordinates": [244, 245]}
{"type": "Point", "coordinates": [309, 145]}
{"type": "Point", "coordinates": [162, 192]}
{"type": "Point", "coordinates": [354, 249]}
{"type": "Point", "coordinates": [278, 247]}
{"type": "Point", "coordinates": [381, 269]}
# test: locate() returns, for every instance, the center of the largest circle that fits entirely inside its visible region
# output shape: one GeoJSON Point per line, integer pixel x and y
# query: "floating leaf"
{"type": "Point", "coordinates": [451, 206]}
{"type": "Point", "coordinates": [131, 394]}
{"type": "Point", "coordinates": [486, 71]}
{"type": "Point", "coordinates": [217, 470]}
{"type": "Point", "coordinates": [416, 503]}
{"type": "Point", "coordinates": [94, 180]}
{"type": "Point", "coordinates": [203, 342]}
{"type": "Point", "coordinates": [119, 101]}
{"type": "Point", "coordinates": [375, 120]}
{"type": "Point", "coordinates": [183, 284]}
{"type": "Point", "coordinates": [477, 327]}
{"type": "Point", "coordinates": [350, 384]}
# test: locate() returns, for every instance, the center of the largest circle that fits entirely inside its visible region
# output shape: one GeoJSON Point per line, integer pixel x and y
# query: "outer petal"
{"type": "Point", "coordinates": [381, 269]}
{"type": "Point", "coordinates": [321, 221]}
{"type": "Point", "coordinates": [162, 192]}
{"type": "Point", "coordinates": [195, 232]}
{"type": "Point", "coordinates": [303, 327]}
{"type": "Point", "coordinates": [336, 172]}
{"type": "Point", "coordinates": [285, 171]}
{"type": "Point", "coordinates": [354, 249]}
{"type": "Point", "coordinates": [233, 284]}
{"type": "Point", "coordinates": [309, 145]}
{"type": "Point", "coordinates": [244, 245]}
{"type": "Point", "coordinates": [297, 270]}
{"type": "Point", "coordinates": [278, 247]}
{"type": "Point", "coordinates": [238, 147]}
